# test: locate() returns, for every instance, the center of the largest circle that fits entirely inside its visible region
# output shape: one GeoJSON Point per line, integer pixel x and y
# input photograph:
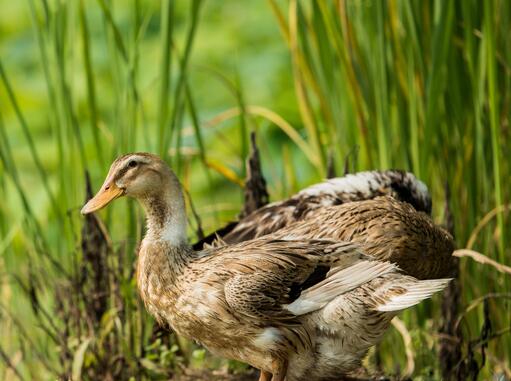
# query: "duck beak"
{"type": "Point", "coordinates": [108, 192]}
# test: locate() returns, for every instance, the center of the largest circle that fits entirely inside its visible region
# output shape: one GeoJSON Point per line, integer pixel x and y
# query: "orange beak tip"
{"type": "Point", "coordinates": [85, 210]}
{"type": "Point", "coordinates": [101, 199]}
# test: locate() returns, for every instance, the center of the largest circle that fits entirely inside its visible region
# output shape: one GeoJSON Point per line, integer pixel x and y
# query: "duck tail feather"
{"type": "Point", "coordinates": [415, 293]}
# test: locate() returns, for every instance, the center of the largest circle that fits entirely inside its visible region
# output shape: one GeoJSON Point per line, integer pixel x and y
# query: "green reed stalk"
{"type": "Point", "coordinates": [167, 24]}
{"type": "Point", "coordinates": [489, 36]}
{"type": "Point", "coordinates": [30, 140]}
{"type": "Point", "coordinates": [183, 66]}
{"type": "Point", "coordinates": [91, 88]}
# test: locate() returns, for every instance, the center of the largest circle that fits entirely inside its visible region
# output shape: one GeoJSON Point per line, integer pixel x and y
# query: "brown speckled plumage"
{"type": "Point", "coordinates": [386, 229]}
{"type": "Point", "coordinates": [403, 186]}
{"type": "Point", "coordinates": [385, 226]}
{"type": "Point", "coordinates": [298, 308]}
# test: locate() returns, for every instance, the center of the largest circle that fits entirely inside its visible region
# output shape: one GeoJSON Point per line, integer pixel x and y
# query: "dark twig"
{"type": "Point", "coordinates": [450, 351]}
{"type": "Point", "coordinates": [256, 194]}
{"type": "Point", "coordinates": [330, 165]}
{"type": "Point", "coordinates": [353, 152]}
{"type": "Point", "coordinates": [95, 250]}
{"type": "Point", "coordinates": [469, 364]}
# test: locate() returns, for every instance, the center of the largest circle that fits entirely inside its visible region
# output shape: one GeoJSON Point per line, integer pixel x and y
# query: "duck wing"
{"type": "Point", "coordinates": [283, 286]}
{"type": "Point", "coordinates": [277, 281]}
{"type": "Point", "coordinates": [266, 276]}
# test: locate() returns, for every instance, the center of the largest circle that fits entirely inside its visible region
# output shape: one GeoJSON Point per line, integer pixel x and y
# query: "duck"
{"type": "Point", "coordinates": [360, 186]}
{"type": "Point", "coordinates": [296, 308]}
{"type": "Point", "coordinates": [387, 229]}
{"type": "Point", "coordinates": [386, 212]}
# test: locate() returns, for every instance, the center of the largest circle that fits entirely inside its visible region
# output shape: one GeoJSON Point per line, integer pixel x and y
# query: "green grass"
{"type": "Point", "coordinates": [418, 85]}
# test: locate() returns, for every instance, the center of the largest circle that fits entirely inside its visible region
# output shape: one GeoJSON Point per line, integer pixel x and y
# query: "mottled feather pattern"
{"type": "Point", "coordinates": [309, 299]}
{"type": "Point", "coordinates": [387, 230]}
{"type": "Point", "coordinates": [243, 296]}
{"type": "Point", "coordinates": [352, 323]}
{"type": "Point", "coordinates": [401, 185]}
{"type": "Point", "coordinates": [266, 275]}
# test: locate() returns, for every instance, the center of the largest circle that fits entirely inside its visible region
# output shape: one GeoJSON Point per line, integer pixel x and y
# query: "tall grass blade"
{"type": "Point", "coordinates": [167, 25]}
{"type": "Point", "coordinates": [489, 36]}
{"type": "Point", "coordinates": [183, 66]}
{"type": "Point", "coordinates": [30, 140]}
{"type": "Point", "coordinates": [91, 88]}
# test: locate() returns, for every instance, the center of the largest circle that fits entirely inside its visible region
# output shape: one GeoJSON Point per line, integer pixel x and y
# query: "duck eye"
{"type": "Point", "coordinates": [132, 164]}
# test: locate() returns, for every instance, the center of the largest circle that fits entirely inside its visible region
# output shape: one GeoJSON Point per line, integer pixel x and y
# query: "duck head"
{"type": "Point", "coordinates": [140, 175]}
{"type": "Point", "coordinates": [148, 179]}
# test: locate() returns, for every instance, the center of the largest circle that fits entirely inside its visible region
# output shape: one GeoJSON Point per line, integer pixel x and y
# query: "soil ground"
{"type": "Point", "coordinates": [207, 375]}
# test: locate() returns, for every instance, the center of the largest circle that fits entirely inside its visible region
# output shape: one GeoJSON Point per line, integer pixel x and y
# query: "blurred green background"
{"type": "Point", "coordinates": [423, 86]}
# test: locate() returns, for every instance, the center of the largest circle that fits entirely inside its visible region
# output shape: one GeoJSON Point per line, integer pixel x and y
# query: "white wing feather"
{"type": "Point", "coordinates": [338, 283]}
{"type": "Point", "coordinates": [416, 292]}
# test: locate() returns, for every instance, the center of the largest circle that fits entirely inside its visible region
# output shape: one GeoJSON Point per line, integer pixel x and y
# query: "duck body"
{"type": "Point", "coordinates": [296, 307]}
{"type": "Point", "coordinates": [242, 308]}
{"type": "Point", "coordinates": [386, 229]}
{"type": "Point", "coordinates": [402, 186]}
{"type": "Point", "coordinates": [351, 209]}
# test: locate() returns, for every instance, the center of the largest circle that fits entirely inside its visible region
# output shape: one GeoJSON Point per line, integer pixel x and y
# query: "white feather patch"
{"type": "Point", "coordinates": [415, 293]}
{"type": "Point", "coordinates": [360, 182]}
{"type": "Point", "coordinates": [337, 284]}
{"type": "Point", "coordinates": [267, 338]}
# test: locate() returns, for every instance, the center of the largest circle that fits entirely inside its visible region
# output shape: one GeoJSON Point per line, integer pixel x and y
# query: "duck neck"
{"type": "Point", "coordinates": [166, 216]}
{"type": "Point", "coordinates": [164, 253]}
